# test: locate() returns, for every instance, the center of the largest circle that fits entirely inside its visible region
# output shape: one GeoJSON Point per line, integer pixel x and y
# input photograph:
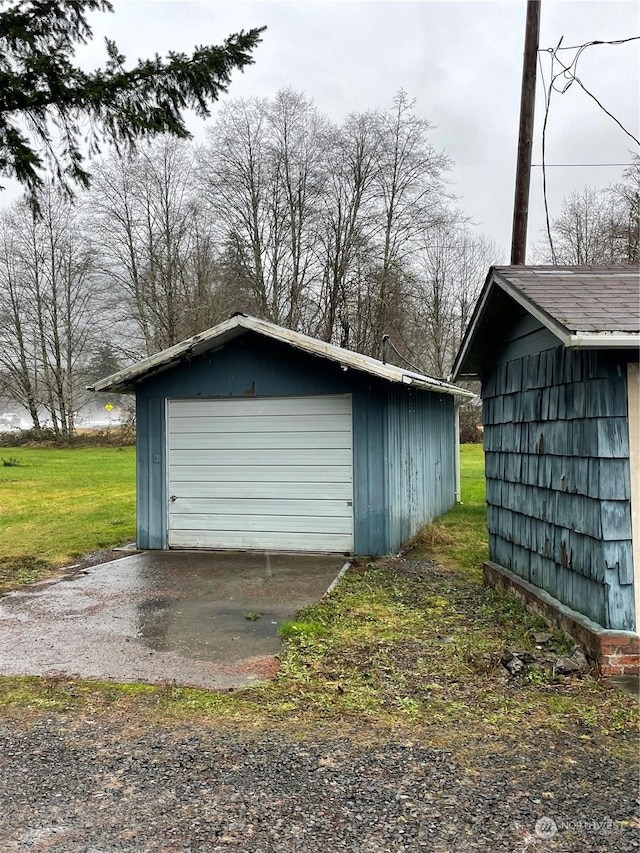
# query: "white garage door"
{"type": "Point", "coordinates": [270, 473]}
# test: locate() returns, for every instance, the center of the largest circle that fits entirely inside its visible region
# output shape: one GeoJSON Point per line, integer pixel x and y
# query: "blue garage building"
{"type": "Point", "coordinates": [251, 436]}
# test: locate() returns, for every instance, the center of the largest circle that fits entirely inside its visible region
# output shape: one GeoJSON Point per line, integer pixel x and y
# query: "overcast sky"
{"type": "Point", "coordinates": [461, 61]}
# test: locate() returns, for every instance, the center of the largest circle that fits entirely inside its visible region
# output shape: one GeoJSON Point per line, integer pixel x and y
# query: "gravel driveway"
{"type": "Point", "coordinates": [76, 783]}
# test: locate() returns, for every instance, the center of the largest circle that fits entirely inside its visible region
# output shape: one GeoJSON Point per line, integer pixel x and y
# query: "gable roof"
{"type": "Point", "coordinates": [593, 307]}
{"type": "Point", "coordinates": [126, 380]}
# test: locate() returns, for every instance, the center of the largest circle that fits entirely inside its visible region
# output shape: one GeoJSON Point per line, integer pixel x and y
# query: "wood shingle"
{"type": "Point", "coordinates": [552, 347]}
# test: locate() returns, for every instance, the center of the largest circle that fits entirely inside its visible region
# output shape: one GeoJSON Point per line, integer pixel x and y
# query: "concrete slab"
{"type": "Point", "coordinates": [162, 617]}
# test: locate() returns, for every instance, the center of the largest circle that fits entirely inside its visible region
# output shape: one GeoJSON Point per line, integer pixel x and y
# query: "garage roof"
{"type": "Point", "coordinates": [125, 381]}
{"type": "Point", "coordinates": [594, 307]}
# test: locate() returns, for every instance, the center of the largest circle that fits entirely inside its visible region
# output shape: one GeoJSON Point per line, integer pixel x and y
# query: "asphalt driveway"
{"type": "Point", "coordinates": [197, 618]}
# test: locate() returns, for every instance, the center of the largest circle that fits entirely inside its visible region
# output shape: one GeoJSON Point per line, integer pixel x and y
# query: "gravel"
{"type": "Point", "coordinates": [105, 784]}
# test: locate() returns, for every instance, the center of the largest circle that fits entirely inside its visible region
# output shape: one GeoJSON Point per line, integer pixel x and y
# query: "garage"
{"type": "Point", "coordinates": [252, 436]}
{"type": "Point", "coordinates": [271, 473]}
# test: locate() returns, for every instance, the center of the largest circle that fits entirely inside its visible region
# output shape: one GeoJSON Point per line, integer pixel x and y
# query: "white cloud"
{"type": "Point", "coordinates": [460, 60]}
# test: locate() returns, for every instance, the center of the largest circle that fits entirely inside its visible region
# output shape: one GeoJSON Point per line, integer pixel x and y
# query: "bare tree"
{"type": "Point", "coordinates": [17, 344]}
{"type": "Point", "coordinates": [411, 197]}
{"type": "Point", "coordinates": [451, 264]}
{"type": "Point", "coordinates": [243, 201]}
{"type": "Point", "coordinates": [597, 226]}
{"type": "Point", "coordinates": [351, 164]}
{"type": "Point", "coordinates": [48, 310]}
{"type": "Point", "coordinates": [626, 195]}
{"type": "Point", "coordinates": [157, 252]}
{"type": "Point", "coordinates": [264, 177]}
{"type": "Point", "coordinates": [324, 225]}
{"type": "Point", "coordinates": [584, 233]}
{"type": "Point", "coordinates": [297, 139]}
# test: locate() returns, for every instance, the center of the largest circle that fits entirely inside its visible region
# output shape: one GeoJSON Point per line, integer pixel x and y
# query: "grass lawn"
{"type": "Point", "coordinates": [409, 645]}
{"type": "Point", "coordinates": [464, 543]}
{"type": "Point", "coordinates": [57, 504]}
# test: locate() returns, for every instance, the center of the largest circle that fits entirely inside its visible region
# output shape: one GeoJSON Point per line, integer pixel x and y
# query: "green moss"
{"type": "Point", "coordinates": [301, 630]}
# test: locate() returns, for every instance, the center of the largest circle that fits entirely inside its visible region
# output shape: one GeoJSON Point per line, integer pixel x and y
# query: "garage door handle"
{"type": "Point", "coordinates": [173, 498]}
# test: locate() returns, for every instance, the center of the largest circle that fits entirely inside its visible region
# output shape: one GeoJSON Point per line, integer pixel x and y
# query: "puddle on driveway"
{"type": "Point", "coordinates": [163, 616]}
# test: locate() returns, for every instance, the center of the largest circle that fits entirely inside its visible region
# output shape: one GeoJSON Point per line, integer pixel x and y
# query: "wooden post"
{"type": "Point", "coordinates": [525, 138]}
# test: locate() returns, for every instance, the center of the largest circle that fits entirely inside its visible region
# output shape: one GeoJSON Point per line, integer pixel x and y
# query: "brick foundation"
{"type": "Point", "coordinates": [612, 652]}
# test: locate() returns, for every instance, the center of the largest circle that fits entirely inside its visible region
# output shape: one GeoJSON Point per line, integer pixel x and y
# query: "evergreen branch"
{"type": "Point", "coordinates": [40, 85]}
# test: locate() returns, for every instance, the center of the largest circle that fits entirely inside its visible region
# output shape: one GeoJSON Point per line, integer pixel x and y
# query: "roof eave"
{"type": "Point", "coordinates": [560, 331]}
{"type": "Point", "coordinates": [349, 358]}
{"type": "Point", "coordinates": [570, 338]}
{"type": "Point", "coordinates": [604, 340]}
{"type": "Point", "coordinates": [476, 317]}
{"type": "Point", "coordinates": [125, 380]}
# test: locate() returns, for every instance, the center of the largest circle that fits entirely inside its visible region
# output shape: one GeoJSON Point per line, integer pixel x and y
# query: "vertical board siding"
{"type": "Point", "coordinates": [403, 438]}
{"type": "Point", "coordinates": [368, 473]}
{"type": "Point", "coordinates": [558, 484]}
{"type": "Point", "coordinates": [151, 494]}
{"type": "Point", "coordinates": [420, 453]}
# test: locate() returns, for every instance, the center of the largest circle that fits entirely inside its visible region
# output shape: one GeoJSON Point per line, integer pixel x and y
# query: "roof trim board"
{"type": "Point", "coordinates": [124, 381]}
{"type": "Point", "coordinates": [478, 313]}
{"type": "Point", "coordinates": [569, 338]}
{"type": "Point", "coordinates": [604, 340]}
{"type": "Point", "coordinates": [560, 331]}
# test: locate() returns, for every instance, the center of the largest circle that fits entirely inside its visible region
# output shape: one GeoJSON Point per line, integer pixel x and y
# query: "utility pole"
{"type": "Point", "coordinates": [525, 138]}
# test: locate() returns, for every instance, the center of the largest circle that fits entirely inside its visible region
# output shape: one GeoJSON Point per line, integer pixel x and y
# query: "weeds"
{"type": "Point", "coordinates": [20, 570]}
{"type": "Point", "coordinates": [123, 435]}
{"type": "Point", "coordinates": [431, 536]}
{"type": "Point", "coordinates": [301, 630]}
{"type": "Point", "coordinates": [538, 675]}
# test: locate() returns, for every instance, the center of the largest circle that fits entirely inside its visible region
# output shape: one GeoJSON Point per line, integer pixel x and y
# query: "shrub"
{"type": "Point", "coordinates": [471, 424]}
{"type": "Point", "coordinates": [119, 436]}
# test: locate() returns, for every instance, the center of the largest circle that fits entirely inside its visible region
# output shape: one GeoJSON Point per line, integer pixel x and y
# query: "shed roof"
{"type": "Point", "coordinates": [126, 380]}
{"type": "Point", "coordinates": [593, 307]}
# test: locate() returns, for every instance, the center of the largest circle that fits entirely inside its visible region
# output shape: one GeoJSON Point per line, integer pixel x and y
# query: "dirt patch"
{"type": "Point", "coordinates": [20, 572]}
{"type": "Point", "coordinates": [262, 668]}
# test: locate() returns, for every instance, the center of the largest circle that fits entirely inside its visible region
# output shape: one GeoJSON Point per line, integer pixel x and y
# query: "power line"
{"type": "Point", "coordinates": [547, 104]}
{"type": "Point", "coordinates": [581, 165]}
{"type": "Point", "coordinates": [569, 73]}
{"type": "Point", "coordinates": [590, 44]}
{"type": "Point", "coordinates": [606, 111]}
{"type": "Point", "coordinates": [387, 340]}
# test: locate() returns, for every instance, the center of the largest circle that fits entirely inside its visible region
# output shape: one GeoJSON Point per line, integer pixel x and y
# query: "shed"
{"type": "Point", "coordinates": [252, 436]}
{"type": "Point", "coordinates": [556, 350]}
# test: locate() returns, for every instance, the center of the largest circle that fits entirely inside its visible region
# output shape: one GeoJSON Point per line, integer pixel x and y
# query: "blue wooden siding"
{"type": "Point", "coordinates": [420, 460]}
{"type": "Point", "coordinates": [557, 467]}
{"type": "Point", "coordinates": [151, 502]}
{"type": "Point", "coordinates": [403, 438]}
